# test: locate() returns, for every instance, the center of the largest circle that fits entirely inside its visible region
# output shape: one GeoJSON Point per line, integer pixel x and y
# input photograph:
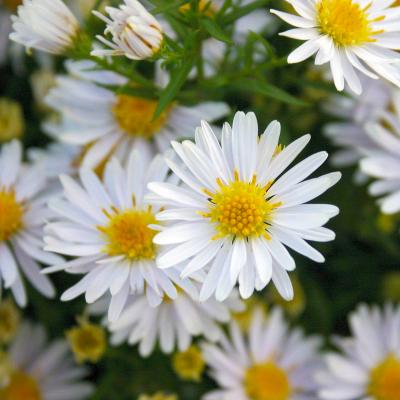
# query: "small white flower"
{"type": "Point", "coordinates": [46, 25]}
{"type": "Point", "coordinates": [107, 226]}
{"type": "Point", "coordinates": [270, 362]}
{"type": "Point", "coordinates": [110, 124]}
{"type": "Point", "coordinates": [383, 163]}
{"type": "Point", "coordinates": [352, 35]}
{"type": "Point", "coordinates": [42, 371]}
{"type": "Point", "coordinates": [174, 322]}
{"type": "Point", "coordinates": [22, 214]}
{"type": "Point", "coordinates": [136, 34]}
{"type": "Point", "coordinates": [369, 364]}
{"type": "Point", "coordinates": [239, 209]}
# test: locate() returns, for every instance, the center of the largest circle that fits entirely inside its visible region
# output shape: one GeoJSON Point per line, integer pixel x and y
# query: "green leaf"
{"type": "Point", "coordinates": [163, 8]}
{"type": "Point", "coordinates": [241, 11]}
{"type": "Point", "coordinates": [267, 89]}
{"type": "Point", "coordinates": [215, 30]}
{"type": "Point", "coordinates": [178, 78]}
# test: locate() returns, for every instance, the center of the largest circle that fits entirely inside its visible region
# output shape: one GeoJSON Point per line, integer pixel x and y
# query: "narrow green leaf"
{"type": "Point", "coordinates": [163, 8]}
{"type": "Point", "coordinates": [241, 11]}
{"type": "Point", "coordinates": [215, 30]}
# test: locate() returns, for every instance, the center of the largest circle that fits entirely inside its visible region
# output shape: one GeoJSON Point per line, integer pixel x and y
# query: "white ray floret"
{"type": "Point", "coordinates": [106, 226]}
{"type": "Point", "coordinates": [39, 370]}
{"type": "Point", "coordinates": [351, 35]}
{"type": "Point", "coordinates": [239, 209]}
{"type": "Point", "coordinates": [46, 25]}
{"type": "Point", "coordinates": [110, 124]}
{"type": "Point", "coordinates": [368, 363]}
{"type": "Point", "coordinates": [135, 33]}
{"type": "Point", "coordinates": [23, 212]}
{"type": "Point", "coordinates": [271, 361]}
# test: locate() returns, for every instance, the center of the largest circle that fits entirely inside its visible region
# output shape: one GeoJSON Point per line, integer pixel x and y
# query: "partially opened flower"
{"type": "Point", "coordinates": [270, 362]}
{"type": "Point", "coordinates": [46, 25]}
{"type": "Point", "coordinates": [174, 323]}
{"type": "Point", "coordinates": [23, 213]}
{"type": "Point", "coordinates": [107, 226]}
{"type": "Point", "coordinates": [238, 209]}
{"type": "Point", "coordinates": [352, 35]}
{"type": "Point", "coordinates": [136, 34]}
{"type": "Point", "coordinates": [383, 164]}
{"type": "Point", "coordinates": [39, 370]}
{"type": "Point", "coordinates": [112, 124]}
{"type": "Point", "coordinates": [368, 363]}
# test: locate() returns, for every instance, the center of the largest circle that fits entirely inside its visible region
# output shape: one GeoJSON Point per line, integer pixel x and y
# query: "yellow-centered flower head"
{"type": "Point", "coordinates": [158, 396]}
{"type": "Point", "coordinates": [21, 386]}
{"type": "Point", "coordinates": [11, 213]}
{"type": "Point", "coordinates": [189, 365]}
{"type": "Point", "coordinates": [9, 321]}
{"type": "Point", "coordinates": [205, 7]}
{"type": "Point", "coordinates": [12, 123]}
{"type": "Point", "coordinates": [385, 380]}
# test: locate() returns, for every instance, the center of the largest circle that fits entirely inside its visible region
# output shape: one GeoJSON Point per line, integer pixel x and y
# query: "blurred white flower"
{"type": "Point", "coordinates": [136, 34]}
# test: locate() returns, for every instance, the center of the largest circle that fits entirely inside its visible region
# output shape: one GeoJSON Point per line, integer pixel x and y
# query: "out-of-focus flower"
{"type": "Point", "coordinates": [136, 34]}
{"type": "Point", "coordinates": [111, 124]}
{"type": "Point", "coordinates": [87, 341]}
{"type": "Point", "coordinates": [42, 371]}
{"type": "Point", "coordinates": [243, 318]}
{"type": "Point", "coordinates": [12, 123]}
{"type": "Point", "coordinates": [23, 211]}
{"type": "Point", "coordinates": [46, 25]}
{"type": "Point", "coordinates": [384, 163]}
{"type": "Point", "coordinates": [108, 226]}
{"type": "Point", "coordinates": [387, 223]}
{"type": "Point", "coordinates": [240, 210]}
{"type": "Point", "coordinates": [368, 366]}
{"type": "Point", "coordinates": [9, 321]}
{"type": "Point", "coordinates": [391, 286]}
{"type": "Point", "coordinates": [158, 396]}
{"type": "Point", "coordinates": [42, 80]}
{"type": "Point", "coordinates": [352, 35]}
{"type": "Point", "coordinates": [270, 362]}
{"type": "Point", "coordinates": [189, 364]}
{"type": "Point", "coordinates": [174, 322]}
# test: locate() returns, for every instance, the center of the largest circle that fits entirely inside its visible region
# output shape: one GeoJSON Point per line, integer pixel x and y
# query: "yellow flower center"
{"type": "Point", "coordinates": [241, 209]}
{"type": "Point", "coordinates": [135, 116]}
{"type": "Point", "coordinates": [21, 387]}
{"type": "Point", "coordinates": [12, 5]}
{"type": "Point", "coordinates": [11, 213]}
{"type": "Point", "coordinates": [88, 342]}
{"type": "Point", "coordinates": [385, 380]}
{"type": "Point", "coordinates": [128, 234]}
{"type": "Point", "coordinates": [12, 123]}
{"type": "Point", "coordinates": [345, 22]}
{"type": "Point", "coordinates": [189, 365]}
{"type": "Point", "coordinates": [205, 7]}
{"type": "Point", "coordinates": [267, 382]}
{"type": "Point", "coordinates": [9, 321]}
{"type": "Point", "coordinates": [158, 396]}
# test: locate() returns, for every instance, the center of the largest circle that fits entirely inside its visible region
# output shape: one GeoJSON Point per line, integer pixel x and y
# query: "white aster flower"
{"type": "Point", "coordinates": [111, 124]}
{"type": "Point", "coordinates": [106, 226]}
{"type": "Point", "coordinates": [355, 112]}
{"type": "Point", "coordinates": [368, 367]}
{"type": "Point", "coordinates": [270, 362]}
{"type": "Point", "coordinates": [352, 35]}
{"type": "Point", "coordinates": [239, 210]}
{"type": "Point", "coordinates": [136, 34]}
{"type": "Point", "coordinates": [384, 163]}
{"type": "Point", "coordinates": [22, 214]}
{"type": "Point", "coordinates": [46, 25]}
{"type": "Point", "coordinates": [174, 322]}
{"type": "Point", "coordinates": [42, 371]}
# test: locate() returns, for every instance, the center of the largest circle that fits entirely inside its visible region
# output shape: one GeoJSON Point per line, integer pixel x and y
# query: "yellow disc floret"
{"type": "Point", "coordinates": [21, 386]}
{"type": "Point", "coordinates": [241, 209]}
{"type": "Point", "coordinates": [135, 116]}
{"type": "Point", "coordinates": [189, 365]}
{"type": "Point", "coordinates": [128, 234]}
{"type": "Point", "coordinates": [12, 123]}
{"type": "Point", "coordinates": [158, 396]}
{"type": "Point", "coordinates": [385, 380]}
{"type": "Point", "coordinates": [9, 321]}
{"type": "Point", "coordinates": [11, 213]}
{"type": "Point", "coordinates": [267, 382]}
{"type": "Point", "coordinates": [346, 22]}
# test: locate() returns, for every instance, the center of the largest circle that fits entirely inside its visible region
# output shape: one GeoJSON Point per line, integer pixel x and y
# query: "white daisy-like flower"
{"type": "Point", "coordinates": [355, 112]}
{"type": "Point", "coordinates": [239, 209]}
{"type": "Point", "coordinates": [111, 124]}
{"type": "Point", "coordinates": [136, 34]}
{"type": "Point", "coordinates": [39, 370]}
{"type": "Point", "coordinates": [383, 164]}
{"type": "Point", "coordinates": [270, 362]}
{"type": "Point", "coordinates": [368, 367]}
{"type": "Point", "coordinates": [174, 322]}
{"type": "Point", "coordinates": [352, 35]}
{"type": "Point", "coordinates": [46, 25]}
{"type": "Point", "coordinates": [107, 227]}
{"type": "Point", "coordinates": [22, 214]}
